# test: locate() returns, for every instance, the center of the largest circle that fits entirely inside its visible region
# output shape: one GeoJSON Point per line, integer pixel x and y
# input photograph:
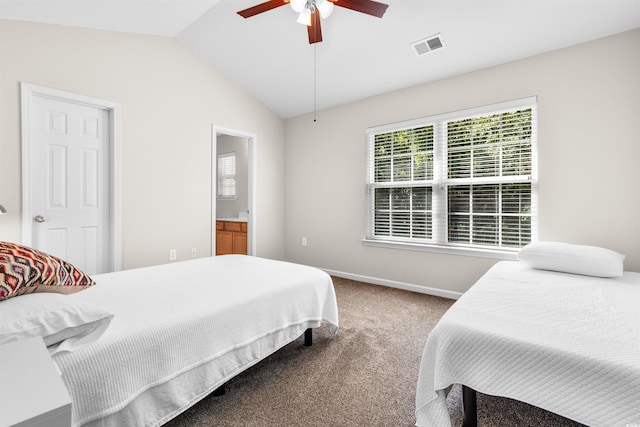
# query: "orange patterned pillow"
{"type": "Point", "coordinates": [24, 270]}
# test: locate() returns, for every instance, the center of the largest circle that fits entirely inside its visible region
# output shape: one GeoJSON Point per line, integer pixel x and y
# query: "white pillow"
{"type": "Point", "coordinates": [65, 323]}
{"type": "Point", "coordinates": [576, 259]}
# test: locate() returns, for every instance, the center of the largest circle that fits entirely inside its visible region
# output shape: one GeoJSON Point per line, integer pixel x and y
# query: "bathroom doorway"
{"type": "Point", "coordinates": [233, 190]}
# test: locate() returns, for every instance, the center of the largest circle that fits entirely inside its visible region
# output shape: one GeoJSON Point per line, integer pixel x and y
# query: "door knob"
{"type": "Point", "coordinates": [40, 218]}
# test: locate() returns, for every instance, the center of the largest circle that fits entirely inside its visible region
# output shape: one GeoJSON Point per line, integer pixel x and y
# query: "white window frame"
{"type": "Point", "coordinates": [440, 183]}
{"type": "Point", "coordinates": [226, 175]}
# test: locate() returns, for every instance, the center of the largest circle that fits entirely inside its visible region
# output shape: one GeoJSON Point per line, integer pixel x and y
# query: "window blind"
{"type": "Point", "coordinates": [402, 183]}
{"type": "Point", "coordinates": [463, 179]}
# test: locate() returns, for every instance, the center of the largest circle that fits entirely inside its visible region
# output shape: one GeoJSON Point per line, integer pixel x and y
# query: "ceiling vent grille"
{"type": "Point", "coordinates": [428, 45]}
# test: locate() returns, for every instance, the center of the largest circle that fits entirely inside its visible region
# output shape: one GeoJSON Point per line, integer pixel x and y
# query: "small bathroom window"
{"type": "Point", "coordinates": [227, 176]}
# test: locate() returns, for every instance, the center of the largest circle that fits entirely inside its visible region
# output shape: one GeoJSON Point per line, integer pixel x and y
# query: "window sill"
{"type": "Point", "coordinates": [449, 250]}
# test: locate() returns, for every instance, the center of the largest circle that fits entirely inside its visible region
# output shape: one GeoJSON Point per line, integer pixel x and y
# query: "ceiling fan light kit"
{"type": "Point", "coordinates": [309, 8]}
{"type": "Point", "coordinates": [298, 5]}
{"type": "Point", "coordinates": [305, 17]}
{"type": "Point", "coordinates": [325, 8]}
{"type": "Point", "coordinates": [310, 11]}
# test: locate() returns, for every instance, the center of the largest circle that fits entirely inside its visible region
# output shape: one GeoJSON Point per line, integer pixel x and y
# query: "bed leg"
{"type": "Point", "coordinates": [308, 337]}
{"type": "Point", "coordinates": [469, 409]}
{"type": "Point", "coordinates": [220, 391]}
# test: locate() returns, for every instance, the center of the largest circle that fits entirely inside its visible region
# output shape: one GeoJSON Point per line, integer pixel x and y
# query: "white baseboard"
{"type": "Point", "coordinates": [393, 284]}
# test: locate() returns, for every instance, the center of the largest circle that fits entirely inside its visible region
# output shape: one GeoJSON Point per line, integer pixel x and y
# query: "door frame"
{"type": "Point", "coordinates": [27, 93]}
{"type": "Point", "coordinates": [253, 143]}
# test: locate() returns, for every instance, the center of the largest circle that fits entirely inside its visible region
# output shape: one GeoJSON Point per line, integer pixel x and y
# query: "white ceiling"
{"type": "Point", "coordinates": [360, 56]}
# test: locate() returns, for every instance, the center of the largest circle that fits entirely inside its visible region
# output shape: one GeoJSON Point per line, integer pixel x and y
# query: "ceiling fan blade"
{"type": "Point", "coordinates": [262, 7]}
{"type": "Point", "coordinates": [314, 30]}
{"type": "Point", "coordinates": [369, 7]}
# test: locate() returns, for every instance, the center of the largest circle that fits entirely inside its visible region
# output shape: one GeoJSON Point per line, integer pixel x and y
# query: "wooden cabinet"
{"type": "Point", "coordinates": [231, 237]}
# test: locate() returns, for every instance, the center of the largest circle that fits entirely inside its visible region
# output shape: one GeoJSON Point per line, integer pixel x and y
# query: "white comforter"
{"type": "Point", "coordinates": [182, 329]}
{"type": "Point", "coordinates": [566, 343]}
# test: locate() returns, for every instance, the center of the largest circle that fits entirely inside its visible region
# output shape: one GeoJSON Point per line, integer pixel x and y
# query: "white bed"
{"type": "Point", "coordinates": [181, 330]}
{"type": "Point", "coordinates": [567, 343]}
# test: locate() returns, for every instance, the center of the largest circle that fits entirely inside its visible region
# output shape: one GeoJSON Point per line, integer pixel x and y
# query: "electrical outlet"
{"type": "Point", "coordinates": [194, 252]}
{"type": "Point", "coordinates": [173, 254]}
{"type": "Point", "coordinates": [304, 241]}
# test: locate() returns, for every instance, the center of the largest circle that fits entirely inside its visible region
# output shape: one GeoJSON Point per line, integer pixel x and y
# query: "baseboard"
{"type": "Point", "coordinates": [393, 284]}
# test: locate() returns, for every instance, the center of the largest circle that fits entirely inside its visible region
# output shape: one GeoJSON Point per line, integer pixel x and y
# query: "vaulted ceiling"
{"type": "Point", "coordinates": [360, 56]}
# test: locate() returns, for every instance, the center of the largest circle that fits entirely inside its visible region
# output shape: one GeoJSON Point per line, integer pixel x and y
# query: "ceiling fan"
{"type": "Point", "coordinates": [310, 11]}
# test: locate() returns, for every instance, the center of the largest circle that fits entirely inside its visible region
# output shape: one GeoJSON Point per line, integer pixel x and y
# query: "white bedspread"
{"type": "Point", "coordinates": [182, 329]}
{"type": "Point", "coordinates": [566, 343]}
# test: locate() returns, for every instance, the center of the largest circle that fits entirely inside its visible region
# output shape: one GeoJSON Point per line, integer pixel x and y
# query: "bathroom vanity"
{"type": "Point", "coordinates": [231, 236]}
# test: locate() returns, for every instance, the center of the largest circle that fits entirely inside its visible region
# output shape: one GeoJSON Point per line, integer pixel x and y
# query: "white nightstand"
{"type": "Point", "coordinates": [32, 392]}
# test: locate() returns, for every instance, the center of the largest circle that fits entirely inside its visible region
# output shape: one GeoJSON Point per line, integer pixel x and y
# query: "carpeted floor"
{"type": "Point", "coordinates": [363, 376]}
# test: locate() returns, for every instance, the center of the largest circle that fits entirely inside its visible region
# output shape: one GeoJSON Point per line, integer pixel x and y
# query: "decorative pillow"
{"type": "Point", "coordinates": [576, 259]}
{"type": "Point", "coordinates": [25, 270]}
{"type": "Point", "coordinates": [65, 323]}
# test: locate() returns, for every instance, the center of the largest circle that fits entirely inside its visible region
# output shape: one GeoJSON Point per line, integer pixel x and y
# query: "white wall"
{"type": "Point", "coordinates": [169, 99]}
{"type": "Point", "coordinates": [589, 149]}
{"type": "Point", "coordinates": [588, 104]}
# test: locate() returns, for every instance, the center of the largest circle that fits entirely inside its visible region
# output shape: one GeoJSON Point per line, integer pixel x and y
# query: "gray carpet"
{"type": "Point", "coordinates": [363, 376]}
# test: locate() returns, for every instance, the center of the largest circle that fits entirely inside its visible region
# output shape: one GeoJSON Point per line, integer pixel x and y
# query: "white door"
{"type": "Point", "coordinates": [68, 181]}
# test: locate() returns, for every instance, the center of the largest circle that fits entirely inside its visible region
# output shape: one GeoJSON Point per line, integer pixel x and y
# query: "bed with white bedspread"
{"type": "Point", "coordinates": [567, 343]}
{"type": "Point", "coordinates": [181, 330]}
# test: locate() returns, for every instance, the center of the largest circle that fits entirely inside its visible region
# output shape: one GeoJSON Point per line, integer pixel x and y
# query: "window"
{"type": "Point", "coordinates": [227, 176]}
{"type": "Point", "coordinates": [455, 182]}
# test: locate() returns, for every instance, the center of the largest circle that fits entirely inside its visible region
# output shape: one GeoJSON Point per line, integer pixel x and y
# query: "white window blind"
{"type": "Point", "coordinates": [464, 179]}
{"type": "Point", "coordinates": [227, 176]}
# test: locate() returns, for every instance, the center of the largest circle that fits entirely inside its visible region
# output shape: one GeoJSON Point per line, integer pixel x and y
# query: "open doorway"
{"type": "Point", "coordinates": [233, 192]}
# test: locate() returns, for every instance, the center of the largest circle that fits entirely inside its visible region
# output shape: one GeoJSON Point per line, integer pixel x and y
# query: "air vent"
{"type": "Point", "coordinates": [428, 45]}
